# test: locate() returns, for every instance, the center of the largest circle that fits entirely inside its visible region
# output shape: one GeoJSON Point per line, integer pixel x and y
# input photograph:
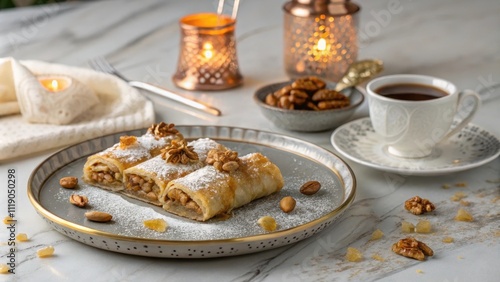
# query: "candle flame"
{"type": "Point", "coordinates": [321, 44]}
{"type": "Point", "coordinates": [208, 50]}
{"type": "Point", "coordinates": [54, 84]}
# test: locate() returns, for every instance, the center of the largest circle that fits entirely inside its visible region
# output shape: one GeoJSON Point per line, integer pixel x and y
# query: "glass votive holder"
{"type": "Point", "coordinates": [207, 58]}
{"type": "Point", "coordinates": [320, 38]}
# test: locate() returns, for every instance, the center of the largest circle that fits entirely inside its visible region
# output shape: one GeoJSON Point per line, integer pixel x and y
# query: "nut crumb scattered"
{"type": "Point", "coordinates": [287, 204]}
{"type": "Point", "coordinates": [448, 239]}
{"type": "Point", "coordinates": [377, 234]}
{"type": "Point", "coordinates": [446, 186]}
{"type": "Point", "coordinates": [458, 196]}
{"type": "Point", "coordinates": [45, 252]}
{"type": "Point", "coordinates": [419, 271]}
{"type": "Point", "coordinates": [377, 257]}
{"type": "Point", "coordinates": [464, 203]}
{"type": "Point", "coordinates": [461, 184]}
{"type": "Point", "coordinates": [353, 255]}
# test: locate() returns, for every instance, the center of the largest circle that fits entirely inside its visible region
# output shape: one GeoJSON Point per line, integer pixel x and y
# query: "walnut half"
{"type": "Point", "coordinates": [417, 205]}
{"type": "Point", "coordinates": [179, 152]}
{"type": "Point", "coordinates": [223, 160]}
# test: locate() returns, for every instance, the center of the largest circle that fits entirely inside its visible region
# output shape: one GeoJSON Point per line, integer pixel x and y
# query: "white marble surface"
{"type": "Point", "coordinates": [457, 40]}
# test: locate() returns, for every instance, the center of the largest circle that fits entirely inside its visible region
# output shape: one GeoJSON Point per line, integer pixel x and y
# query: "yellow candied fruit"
{"type": "Point", "coordinates": [7, 220]}
{"type": "Point", "coordinates": [377, 257]}
{"type": "Point", "coordinates": [464, 203]}
{"type": "Point", "coordinates": [353, 255]}
{"type": "Point", "coordinates": [4, 269]}
{"type": "Point", "coordinates": [458, 196]}
{"type": "Point", "coordinates": [22, 237]}
{"type": "Point", "coordinates": [423, 226]}
{"type": "Point", "coordinates": [377, 234]}
{"type": "Point", "coordinates": [407, 227]}
{"type": "Point", "coordinates": [448, 239]}
{"type": "Point", "coordinates": [463, 215]}
{"type": "Point", "coordinates": [45, 252]}
{"type": "Point", "coordinates": [267, 223]}
{"type": "Point", "coordinates": [156, 224]}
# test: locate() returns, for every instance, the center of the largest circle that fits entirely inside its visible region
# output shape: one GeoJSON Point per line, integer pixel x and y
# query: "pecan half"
{"type": "Point", "coordinates": [179, 152]}
{"type": "Point", "coordinates": [417, 205]}
{"type": "Point", "coordinates": [410, 247]}
{"type": "Point", "coordinates": [310, 84]}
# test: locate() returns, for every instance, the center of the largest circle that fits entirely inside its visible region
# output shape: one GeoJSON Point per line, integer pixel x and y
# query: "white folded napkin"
{"type": "Point", "coordinates": [118, 107]}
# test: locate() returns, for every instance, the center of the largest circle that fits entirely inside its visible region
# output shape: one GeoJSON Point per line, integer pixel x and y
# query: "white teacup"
{"type": "Point", "coordinates": [412, 128]}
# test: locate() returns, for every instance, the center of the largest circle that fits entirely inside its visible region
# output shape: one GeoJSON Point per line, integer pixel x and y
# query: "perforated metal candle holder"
{"type": "Point", "coordinates": [320, 38]}
{"type": "Point", "coordinates": [207, 58]}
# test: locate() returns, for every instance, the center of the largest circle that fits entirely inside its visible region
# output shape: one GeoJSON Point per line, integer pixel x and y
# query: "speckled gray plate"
{"type": "Point", "coordinates": [298, 160]}
{"type": "Point", "coordinates": [469, 148]}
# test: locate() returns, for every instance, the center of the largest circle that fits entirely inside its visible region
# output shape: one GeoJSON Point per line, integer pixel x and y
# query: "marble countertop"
{"type": "Point", "coordinates": [456, 40]}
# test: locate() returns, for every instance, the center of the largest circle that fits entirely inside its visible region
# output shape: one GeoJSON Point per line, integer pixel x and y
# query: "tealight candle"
{"type": "Point", "coordinates": [55, 83]}
{"type": "Point", "coordinates": [320, 38]}
{"type": "Point", "coordinates": [207, 59]}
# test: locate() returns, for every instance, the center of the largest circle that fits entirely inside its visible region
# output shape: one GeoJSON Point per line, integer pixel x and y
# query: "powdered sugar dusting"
{"type": "Point", "coordinates": [139, 151]}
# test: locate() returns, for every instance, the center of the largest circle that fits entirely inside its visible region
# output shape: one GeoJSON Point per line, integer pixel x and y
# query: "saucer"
{"type": "Point", "coordinates": [471, 147]}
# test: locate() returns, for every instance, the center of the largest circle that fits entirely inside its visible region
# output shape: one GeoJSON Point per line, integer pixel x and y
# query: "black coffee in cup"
{"type": "Point", "coordinates": [410, 92]}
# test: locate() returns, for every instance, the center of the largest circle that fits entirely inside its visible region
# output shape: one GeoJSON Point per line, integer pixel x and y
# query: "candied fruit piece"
{"type": "Point", "coordinates": [407, 227]}
{"type": "Point", "coordinates": [156, 224]}
{"type": "Point", "coordinates": [45, 252]}
{"type": "Point", "coordinates": [22, 237]}
{"type": "Point", "coordinates": [448, 239]}
{"type": "Point", "coordinates": [4, 269]}
{"type": "Point", "coordinates": [353, 255]}
{"type": "Point", "coordinates": [423, 226]}
{"type": "Point", "coordinates": [7, 220]}
{"type": "Point", "coordinates": [267, 223]}
{"type": "Point", "coordinates": [377, 234]}
{"type": "Point", "coordinates": [463, 215]}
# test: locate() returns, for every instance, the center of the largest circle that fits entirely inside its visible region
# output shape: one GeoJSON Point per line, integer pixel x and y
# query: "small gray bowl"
{"type": "Point", "coordinates": [304, 120]}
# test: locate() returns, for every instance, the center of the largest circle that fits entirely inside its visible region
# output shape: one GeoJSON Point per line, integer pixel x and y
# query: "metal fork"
{"type": "Point", "coordinates": [101, 64]}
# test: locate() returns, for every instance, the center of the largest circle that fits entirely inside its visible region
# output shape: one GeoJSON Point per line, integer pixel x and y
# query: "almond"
{"type": "Point", "coordinates": [287, 204]}
{"type": "Point", "coordinates": [68, 182]}
{"type": "Point", "coordinates": [310, 187]}
{"type": "Point", "coordinates": [98, 216]}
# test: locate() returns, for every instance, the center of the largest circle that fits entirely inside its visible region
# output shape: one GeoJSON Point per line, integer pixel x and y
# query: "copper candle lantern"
{"type": "Point", "coordinates": [207, 59]}
{"type": "Point", "coordinates": [320, 37]}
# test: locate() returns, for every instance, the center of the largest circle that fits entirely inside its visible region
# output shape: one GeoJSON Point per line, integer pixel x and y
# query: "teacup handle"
{"type": "Point", "coordinates": [477, 102]}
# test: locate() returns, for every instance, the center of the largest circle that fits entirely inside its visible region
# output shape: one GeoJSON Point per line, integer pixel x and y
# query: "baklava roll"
{"type": "Point", "coordinates": [147, 180]}
{"type": "Point", "coordinates": [105, 169]}
{"type": "Point", "coordinates": [219, 188]}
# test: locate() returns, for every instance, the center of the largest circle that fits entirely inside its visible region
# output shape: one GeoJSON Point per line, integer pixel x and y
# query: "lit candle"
{"type": "Point", "coordinates": [320, 50]}
{"type": "Point", "coordinates": [55, 83]}
{"type": "Point", "coordinates": [208, 50]}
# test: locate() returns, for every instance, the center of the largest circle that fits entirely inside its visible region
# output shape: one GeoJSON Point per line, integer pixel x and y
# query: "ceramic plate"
{"type": "Point", "coordinates": [470, 148]}
{"type": "Point", "coordinates": [298, 160]}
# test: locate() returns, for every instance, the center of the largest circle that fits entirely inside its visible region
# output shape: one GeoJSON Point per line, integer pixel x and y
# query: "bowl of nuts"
{"type": "Point", "coordinates": [307, 104]}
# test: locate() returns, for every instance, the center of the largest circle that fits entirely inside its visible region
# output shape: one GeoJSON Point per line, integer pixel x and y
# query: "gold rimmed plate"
{"type": "Point", "coordinates": [299, 161]}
